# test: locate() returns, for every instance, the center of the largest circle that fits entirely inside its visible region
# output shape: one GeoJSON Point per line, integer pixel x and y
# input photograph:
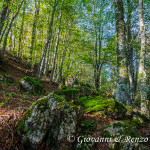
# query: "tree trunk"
{"type": "Point", "coordinates": [7, 33]}
{"type": "Point", "coordinates": [62, 60]}
{"type": "Point", "coordinates": [47, 44]}
{"type": "Point", "coordinates": [3, 14]}
{"type": "Point", "coordinates": [33, 38]}
{"type": "Point", "coordinates": [122, 91]}
{"type": "Point", "coordinates": [130, 52]}
{"type": "Point", "coordinates": [142, 73]}
{"type": "Point", "coordinates": [21, 31]}
{"type": "Point", "coordinates": [56, 47]}
{"type": "Point", "coordinates": [4, 30]}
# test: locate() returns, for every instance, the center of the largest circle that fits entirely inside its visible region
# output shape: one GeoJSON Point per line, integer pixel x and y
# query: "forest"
{"type": "Point", "coordinates": [74, 74]}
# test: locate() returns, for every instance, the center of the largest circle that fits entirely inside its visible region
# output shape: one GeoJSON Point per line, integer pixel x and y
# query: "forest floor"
{"type": "Point", "coordinates": [14, 103]}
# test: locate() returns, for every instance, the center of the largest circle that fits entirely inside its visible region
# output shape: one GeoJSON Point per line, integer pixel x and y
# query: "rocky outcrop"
{"type": "Point", "coordinates": [31, 85]}
{"type": "Point", "coordinates": [123, 137]}
{"type": "Point", "coordinates": [49, 121]}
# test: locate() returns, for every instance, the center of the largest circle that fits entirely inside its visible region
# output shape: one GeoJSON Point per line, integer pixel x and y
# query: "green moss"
{"type": "Point", "coordinates": [67, 92]}
{"type": "Point", "coordinates": [121, 129]}
{"type": "Point", "coordinates": [64, 87]}
{"type": "Point", "coordinates": [107, 134]}
{"type": "Point", "coordinates": [94, 104]}
{"type": "Point", "coordinates": [84, 84]}
{"type": "Point", "coordinates": [139, 121]}
{"type": "Point", "coordinates": [39, 89]}
{"type": "Point", "coordinates": [59, 98]}
{"type": "Point", "coordinates": [137, 103]}
{"type": "Point", "coordinates": [131, 123]}
{"type": "Point", "coordinates": [99, 93]}
{"type": "Point", "coordinates": [27, 115]}
{"type": "Point", "coordinates": [86, 127]}
{"type": "Point", "coordinates": [21, 122]}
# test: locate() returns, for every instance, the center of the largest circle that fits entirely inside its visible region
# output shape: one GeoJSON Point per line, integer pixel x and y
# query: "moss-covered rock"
{"type": "Point", "coordinates": [31, 85]}
{"type": "Point", "coordinates": [123, 137]}
{"type": "Point", "coordinates": [69, 94]}
{"type": "Point", "coordinates": [136, 122]}
{"type": "Point", "coordinates": [101, 106]}
{"type": "Point", "coordinates": [74, 93]}
{"type": "Point", "coordinates": [50, 119]}
{"type": "Point", "coordinates": [135, 118]}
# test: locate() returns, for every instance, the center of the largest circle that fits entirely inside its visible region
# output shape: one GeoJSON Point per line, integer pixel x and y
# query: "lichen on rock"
{"type": "Point", "coordinates": [123, 137]}
{"type": "Point", "coordinates": [50, 121]}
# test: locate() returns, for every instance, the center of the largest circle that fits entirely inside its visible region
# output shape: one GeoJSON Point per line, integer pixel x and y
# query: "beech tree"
{"type": "Point", "coordinates": [142, 73]}
{"type": "Point", "coordinates": [122, 91]}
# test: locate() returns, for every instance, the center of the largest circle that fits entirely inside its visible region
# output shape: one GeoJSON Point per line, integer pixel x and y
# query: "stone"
{"type": "Point", "coordinates": [49, 121]}
{"type": "Point", "coordinates": [31, 85]}
{"type": "Point", "coordinates": [139, 120]}
{"type": "Point", "coordinates": [123, 137]}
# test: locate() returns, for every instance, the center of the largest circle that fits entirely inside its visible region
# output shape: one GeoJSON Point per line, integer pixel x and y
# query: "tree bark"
{"type": "Point", "coordinates": [47, 44]}
{"type": "Point", "coordinates": [33, 38]}
{"type": "Point", "coordinates": [7, 33]}
{"type": "Point", "coordinates": [21, 31]}
{"type": "Point", "coordinates": [3, 14]}
{"type": "Point", "coordinates": [122, 91]}
{"type": "Point", "coordinates": [59, 79]}
{"type": "Point", "coordinates": [142, 73]}
{"type": "Point", "coordinates": [56, 47]}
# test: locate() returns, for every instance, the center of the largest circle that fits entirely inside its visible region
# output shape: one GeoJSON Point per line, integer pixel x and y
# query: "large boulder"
{"type": "Point", "coordinates": [49, 121]}
{"type": "Point", "coordinates": [123, 137]}
{"type": "Point", "coordinates": [31, 85]}
{"type": "Point", "coordinates": [103, 107]}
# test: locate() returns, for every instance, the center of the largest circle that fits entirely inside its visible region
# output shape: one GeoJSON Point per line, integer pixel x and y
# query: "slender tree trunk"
{"type": "Point", "coordinates": [122, 91]}
{"type": "Point", "coordinates": [4, 30]}
{"type": "Point", "coordinates": [130, 52]}
{"type": "Point", "coordinates": [42, 62]}
{"type": "Point", "coordinates": [98, 64]}
{"type": "Point", "coordinates": [10, 41]}
{"type": "Point", "coordinates": [62, 60]}
{"type": "Point", "coordinates": [142, 73]}
{"type": "Point", "coordinates": [56, 47]}
{"type": "Point", "coordinates": [7, 33]}
{"type": "Point", "coordinates": [33, 38]}
{"type": "Point", "coordinates": [21, 31]}
{"type": "Point", "coordinates": [3, 14]}
{"type": "Point", "coordinates": [95, 49]}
